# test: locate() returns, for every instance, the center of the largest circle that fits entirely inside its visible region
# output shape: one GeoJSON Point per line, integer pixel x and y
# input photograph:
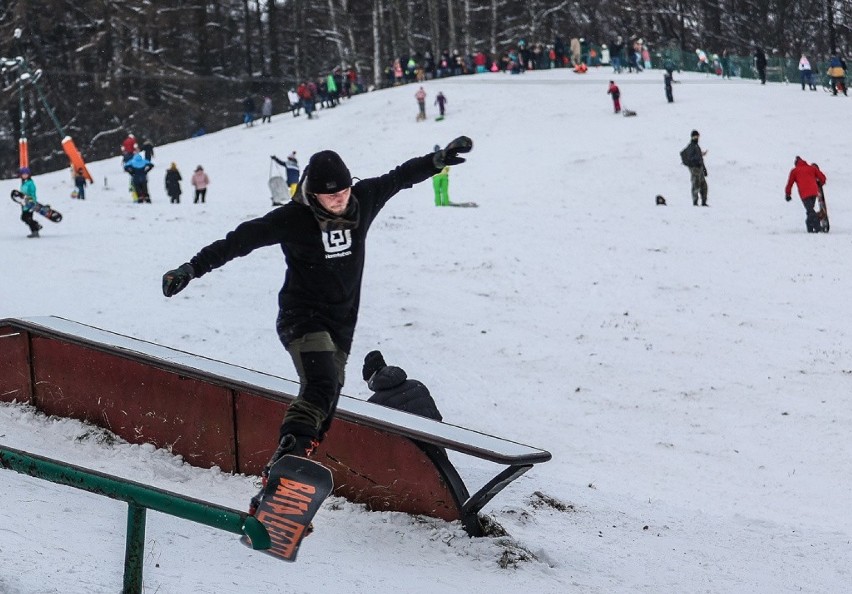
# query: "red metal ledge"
{"type": "Point", "coordinates": [216, 414]}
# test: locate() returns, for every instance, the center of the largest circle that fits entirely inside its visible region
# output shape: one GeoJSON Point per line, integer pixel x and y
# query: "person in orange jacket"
{"type": "Point", "coordinates": [808, 180]}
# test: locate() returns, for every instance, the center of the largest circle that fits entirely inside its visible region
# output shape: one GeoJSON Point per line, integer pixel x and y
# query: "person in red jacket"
{"type": "Point", "coordinates": [808, 180]}
{"type": "Point", "coordinates": [616, 96]}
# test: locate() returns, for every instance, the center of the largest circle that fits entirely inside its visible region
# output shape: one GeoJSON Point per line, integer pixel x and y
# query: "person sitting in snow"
{"type": "Point", "coordinates": [392, 388]}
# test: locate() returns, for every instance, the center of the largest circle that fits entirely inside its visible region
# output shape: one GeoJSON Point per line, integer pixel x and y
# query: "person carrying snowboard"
{"type": "Point", "coordinates": [808, 180]}
{"type": "Point", "coordinates": [693, 157]}
{"type": "Point", "coordinates": [615, 92]}
{"type": "Point", "coordinates": [28, 188]}
{"type": "Point", "coordinates": [322, 233]}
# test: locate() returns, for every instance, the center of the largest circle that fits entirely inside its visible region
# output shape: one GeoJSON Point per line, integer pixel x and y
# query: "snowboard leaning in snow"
{"type": "Point", "coordinates": [42, 209]}
{"type": "Point", "coordinates": [294, 492]}
{"type": "Point", "coordinates": [822, 212]}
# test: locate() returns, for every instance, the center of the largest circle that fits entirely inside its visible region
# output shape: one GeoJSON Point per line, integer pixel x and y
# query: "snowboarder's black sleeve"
{"type": "Point", "coordinates": [248, 236]}
{"type": "Point", "coordinates": [400, 178]}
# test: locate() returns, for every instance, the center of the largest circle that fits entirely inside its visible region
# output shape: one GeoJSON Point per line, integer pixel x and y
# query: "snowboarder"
{"type": "Point", "coordinates": [200, 181]}
{"type": "Point", "coordinates": [80, 184]}
{"type": "Point", "coordinates": [693, 157]}
{"type": "Point", "coordinates": [322, 233]}
{"type": "Point", "coordinates": [441, 102]}
{"type": "Point", "coordinates": [173, 179]}
{"type": "Point", "coordinates": [138, 168]}
{"type": "Point", "coordinates": [28, 187]}
{"type": "Point", "coordinates": [808, 180]}
{"type": "Point", "coordinates": [616, 96]}
{"type": "Point", "coordinates": [420, 95]}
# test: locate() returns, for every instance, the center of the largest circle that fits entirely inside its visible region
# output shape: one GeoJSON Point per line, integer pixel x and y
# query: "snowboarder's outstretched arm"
{"type": "Point", "coordinates": [248, 236]}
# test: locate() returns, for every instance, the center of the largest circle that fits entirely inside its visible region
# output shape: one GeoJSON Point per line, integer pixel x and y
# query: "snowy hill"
{"type": "Point", "coordinates": [689, 368]}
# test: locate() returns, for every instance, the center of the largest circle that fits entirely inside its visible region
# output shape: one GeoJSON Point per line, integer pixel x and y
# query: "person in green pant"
{"type": "Point", "coordinates": [441, 184]}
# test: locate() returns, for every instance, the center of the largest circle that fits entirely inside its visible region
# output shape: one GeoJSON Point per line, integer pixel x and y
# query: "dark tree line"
{"type": "Point", "coordinates": [166, 68]}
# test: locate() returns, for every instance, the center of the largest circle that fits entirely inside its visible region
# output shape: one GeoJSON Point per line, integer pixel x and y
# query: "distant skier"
{"type": "Point", "coordinates": [28, 188]}
{"type": "Point", "coordinates": [808, 179]}
{"type": "Point", "coordinates": [441, 102]}
{"type": "Point", "coordinates": [615, 92]}
{"type": "Point", "coordinates": [693, 157]}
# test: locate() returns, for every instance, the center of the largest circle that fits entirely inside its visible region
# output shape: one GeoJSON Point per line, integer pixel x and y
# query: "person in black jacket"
{"type": "Point", "coordinates": [322, 233]}
{"type": "Point", "coordinates": [392, 388]}
{"type": "Point", "coordinates": [173, 179]}
{"type": "Point", "coordinates": [693, 157]}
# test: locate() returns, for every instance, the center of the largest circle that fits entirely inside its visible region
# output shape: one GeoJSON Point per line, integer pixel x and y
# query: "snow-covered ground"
{"type": "Point", "coordinates": [689, 368]}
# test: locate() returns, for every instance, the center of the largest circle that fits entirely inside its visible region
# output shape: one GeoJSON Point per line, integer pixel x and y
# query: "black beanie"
{"type": "Point", "coordinates": [327, 174]}
{"type": "Point", "coordinates": [373, 362]}
{"type": "Point", "coordinates": [694, 134]}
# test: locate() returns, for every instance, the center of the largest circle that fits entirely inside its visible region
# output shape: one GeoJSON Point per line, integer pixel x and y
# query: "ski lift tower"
{"type": "Point", "coordinates": [26, 76]}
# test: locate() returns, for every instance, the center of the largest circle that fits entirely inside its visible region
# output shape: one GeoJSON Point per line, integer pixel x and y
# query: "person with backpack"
{"type": "Point", "coordinates": [809, 180]}
{"type": "Point", "coordinates": [693, 157]}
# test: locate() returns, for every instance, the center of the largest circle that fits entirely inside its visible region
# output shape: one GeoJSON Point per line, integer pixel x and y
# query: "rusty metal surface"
{"type": "Point", "coordinates": [15, 384]}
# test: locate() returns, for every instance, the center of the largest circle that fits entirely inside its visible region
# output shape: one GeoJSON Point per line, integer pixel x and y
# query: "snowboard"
{"type": "Point", "coordinates": [822, 212]}
{"type": "Point", "coordinates": [42, 209]}
{"type": "Point", "coordinates": [294, 492]}
{"type": "Point", "coordinates": [439, 118]}
{"type": "Point", "coordinates": [463, 204]}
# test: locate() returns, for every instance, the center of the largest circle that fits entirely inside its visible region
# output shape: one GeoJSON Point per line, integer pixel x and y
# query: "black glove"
{"type": "Point", "coordinates": [705, 172]}
{"type": "Point", "coordinates": [788, 197]}
{"type": "Point", "coordinates": [450, 154]}
{"type": "Point", "coordinates": [175, 281]}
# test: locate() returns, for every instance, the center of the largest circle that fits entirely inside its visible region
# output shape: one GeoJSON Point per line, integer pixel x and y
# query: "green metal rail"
{"type": "Point", "coordinates": [139, 498]}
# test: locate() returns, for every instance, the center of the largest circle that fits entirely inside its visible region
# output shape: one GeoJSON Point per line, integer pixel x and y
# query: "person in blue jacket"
{"type": "Point", "coordinates": [138, 168]}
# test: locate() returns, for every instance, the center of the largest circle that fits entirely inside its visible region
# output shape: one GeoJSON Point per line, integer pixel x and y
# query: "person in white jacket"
{"type": "Point", "coordinates": [806, 73]}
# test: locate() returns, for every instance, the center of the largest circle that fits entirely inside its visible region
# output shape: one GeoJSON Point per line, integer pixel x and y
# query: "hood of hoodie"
{"type": "Point", "coordinates": [387, 378]}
